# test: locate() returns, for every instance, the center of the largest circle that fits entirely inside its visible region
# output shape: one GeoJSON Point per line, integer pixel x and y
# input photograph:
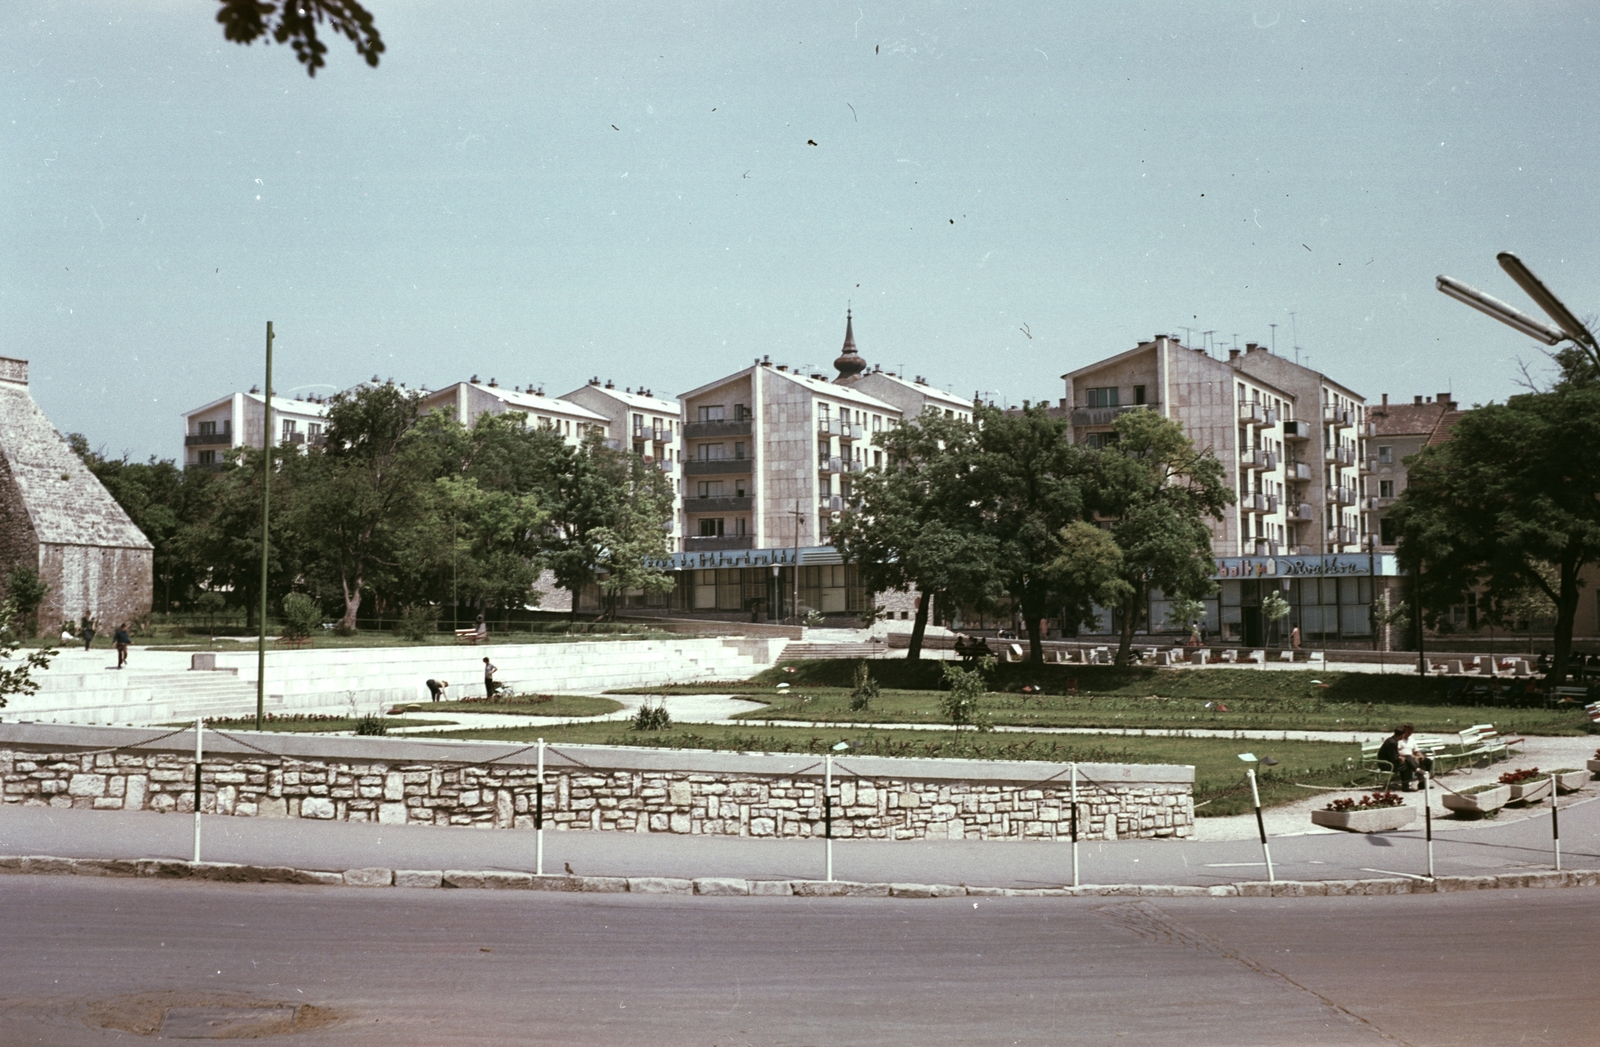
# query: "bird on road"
{"type": "Point", "coordinates": [569, 868]}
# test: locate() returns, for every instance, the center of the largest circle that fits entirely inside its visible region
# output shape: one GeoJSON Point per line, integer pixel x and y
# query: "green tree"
{"type": "Point", "coordinates": [1087, 572]}
{"type": "Point", "coordinates": [16, 675]}
{"type": "Point", "coordinates": [914, 523]}
{"type": "Point", "coordinates": [962, 702]}
{"type": "Point", "coordinates": [1026, 479]}
{"type": "Point", "coordinates": [364, 492]}
{"type": "Point", "coordinates": [1510, 503]}
{"type": "Point", "coordinates": [631, 548]}
{"type": "Point", "coordinates": [25, 591]}
{"type": "Point", "coordinates": [246, 21]}
{"type": "Point", "coordinates": [1157, 491]}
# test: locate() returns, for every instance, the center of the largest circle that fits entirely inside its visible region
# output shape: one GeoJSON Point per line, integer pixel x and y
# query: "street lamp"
{"type": "Point", "coordinates": [1568, 327]}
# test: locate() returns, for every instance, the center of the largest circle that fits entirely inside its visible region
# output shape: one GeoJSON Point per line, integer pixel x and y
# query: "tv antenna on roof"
{"type": "Point", "coordinates": [1294, 335]}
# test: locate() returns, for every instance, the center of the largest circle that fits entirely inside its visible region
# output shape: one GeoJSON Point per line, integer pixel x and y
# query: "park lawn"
{"type": "Point", "coordinates": [832, 704]}
{"type": "Point", "coordinates": [526, 705]}
{"type": "Point", "coordinates": [309, 723]}
{"type": "Point", "coordinates": [1220, 784]}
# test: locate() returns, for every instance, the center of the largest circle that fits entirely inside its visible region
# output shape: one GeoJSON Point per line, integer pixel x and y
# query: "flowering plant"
{"type": "Point", "coordinates": [1518, 776]}
{"type": "Point", "coordinates": [1370, 802]}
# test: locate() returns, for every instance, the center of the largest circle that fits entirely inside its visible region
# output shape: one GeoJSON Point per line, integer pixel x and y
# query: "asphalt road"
{"type": "Point", "coordinates": [1509, 845]}
{"type": "Point", "coordinates": [479, 967]}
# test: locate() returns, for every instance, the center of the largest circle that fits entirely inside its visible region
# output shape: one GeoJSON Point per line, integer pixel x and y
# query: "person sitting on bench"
{"type": "Point", "coordinates": [1401, 753]}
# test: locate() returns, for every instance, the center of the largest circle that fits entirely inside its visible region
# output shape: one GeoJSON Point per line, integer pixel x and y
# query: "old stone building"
{"type": "Point", "coordinates": [57, 518]}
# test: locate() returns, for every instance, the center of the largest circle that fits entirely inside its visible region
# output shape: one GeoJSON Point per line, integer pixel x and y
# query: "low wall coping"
{"type": "Point", "coordinates": [565, 757]}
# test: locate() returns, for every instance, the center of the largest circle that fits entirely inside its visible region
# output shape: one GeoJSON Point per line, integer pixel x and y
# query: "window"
{"type": "Point", "coordinates": [741, 413]}
{"type": "Point", "coordinates": [877, 423]}
{"type": "Point", "coordinates": [314, 429]}
{"type": "Point", "coordinates": [712, 452]}
{"type": "Point", "coordinates": [738, 489]}
{"type": "Point", "coordinates": [740, 524]}
{"type": "Point", "coordinates": [711, 527]}
{"type": "Point", "coordinates": [1099, 440]}
{"type": "Point", "coordinates": [288, 428]}
{"type": "Point", "coordinates": [1138, 394]}
{"type": "Point", "coordinates": [208, 458]}
{"type": "Point", "coordinates": [710, 488]}
{"type": "Point", "coordinates": [738, 449]}
{"type": "Point", "coordinates": [711, 414]}
{"type": "Point", "coordinates": [1385, 488]}
{"type": "Point", "coordinates": [1386, 531]}
{"type": "Point", "coordinates": [208, 428]}
{"type": "Point", "coordinates": [877, 459]}
{"type": "Point", "coordinates": [1101, 397]}
{"type": "Point", "coordinates": [1385, 455]}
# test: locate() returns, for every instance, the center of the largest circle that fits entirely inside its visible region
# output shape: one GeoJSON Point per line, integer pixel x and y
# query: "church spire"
{"type": "Point", "coordinates": [849, 364]}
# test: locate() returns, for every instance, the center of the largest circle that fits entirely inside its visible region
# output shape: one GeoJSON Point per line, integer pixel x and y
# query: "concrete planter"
{"type": "Point", "coordinates": [1374, 820]}
{"type": "Point", "coordinates": [1594, 766]}
{"type": "Point", "coordinates": [1478, 803]}
{"type": "Point", "coordinates": [1572, 781]}
{"type": "Point", "coordinates": [1530, 791]}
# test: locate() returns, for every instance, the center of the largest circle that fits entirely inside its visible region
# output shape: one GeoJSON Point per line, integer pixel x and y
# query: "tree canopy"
{"type": "Point", "coordinates": [295, 22]}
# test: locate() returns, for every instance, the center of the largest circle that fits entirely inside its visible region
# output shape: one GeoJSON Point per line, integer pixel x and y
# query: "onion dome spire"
{"type": "Point", "coordinates": [849, 364]}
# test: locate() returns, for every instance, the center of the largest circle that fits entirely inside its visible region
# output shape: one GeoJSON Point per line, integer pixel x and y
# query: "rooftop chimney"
{"type": "Point", "coordinates": [1417, 401]}
{"type": "Point", "coordinates": [1385, 401]}
{"type": "Point", "coordinates": [1233, 354]}
{"type": "Point", "coordinates": [1443, 399]}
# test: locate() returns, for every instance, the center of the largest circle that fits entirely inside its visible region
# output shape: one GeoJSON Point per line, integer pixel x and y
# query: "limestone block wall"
{"type": "Point", "coordinates": [601, 789]}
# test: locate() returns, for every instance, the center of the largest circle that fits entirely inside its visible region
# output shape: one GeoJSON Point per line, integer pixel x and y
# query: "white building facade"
{"type": "Point", "coordinates": [209, 432]}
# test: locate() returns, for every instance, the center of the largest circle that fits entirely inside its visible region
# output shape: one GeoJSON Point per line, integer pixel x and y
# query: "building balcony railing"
{"type": "Point", "coordinates": [1105, 415]}
{"type": "Point", "coordinates": [1301, 550]}
{"type": "Point", "coordinates": [1271, 462]}
{"type": "Point", "coordinates": [1299, 471]}
{"type": "Point", "coordinates": [708, 430]}
{"type": "Point", "coordinates": [1369, 465]}
{"type": "Point", "coordinates": [831, 465]}
{"type": "Point", "coordinates": [1296, 430]}
{"type": "Point", "coordinates": [294, 439]}
{"type": "Point", "coordinates": [698, 544]}
{"type": "Point", "coordinates": [1252, 460]}
{"type": "Point", "coordinates": [1254, 503]}
{"type": "Point", "coordinates": [1252, 413]}
{"type": "Point", "coordinates": [1263, 547]}
{"type": "Point", "coordinates": [209, 439]}
{"type": "Point", "coordinates": [1370, 503]}
{"type": "Point", "coordinates": [1341, 455]}
{"type": "Point", "coordinates": [736, 504]}
{"type": "Point", "coordinates": [1338, 417]}
{"type": "Point", "coordinates": [1343, 535]}
{"type": "Point", "coordinates": [1300, 513]}
{"type": "Point", "coordinates": [718, 466]}
{"type": "Point", "coordinates": [833, 503]}
{"type": "Point", "coordinates": [1340, 495]}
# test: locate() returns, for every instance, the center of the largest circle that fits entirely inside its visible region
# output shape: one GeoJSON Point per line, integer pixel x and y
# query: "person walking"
{"type": "Point", "coordinates": [122, 640]}
{"type": "Point", "coordinates": [1294, 637]}
{"type": "Point", "coordinates": [490, 685]}
{"type": "Point", "coordinates": [86, 629]}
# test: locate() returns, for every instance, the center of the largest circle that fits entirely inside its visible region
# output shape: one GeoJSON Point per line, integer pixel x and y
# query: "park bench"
{"type": "Point", "coordinates": [292, 642]}
{"type": "Point", "coordinates": [1593, 709]}
{"type": "Point", "coordinates": [470, 636]}
{"type": "Point", "coordinates": [1382, 771]}
{"type": "Point", "coordinates": [1559, 696]}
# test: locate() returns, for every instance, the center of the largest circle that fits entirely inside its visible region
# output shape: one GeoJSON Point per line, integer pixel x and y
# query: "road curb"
{"type": "Point", "coordinates": [719, 886]}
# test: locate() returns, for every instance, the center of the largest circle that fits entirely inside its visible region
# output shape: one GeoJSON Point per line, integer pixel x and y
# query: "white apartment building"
{"type": "Point", "coordinates": [644, 424]}
{"type": "Point", "coordinates": [468, 401]}
{"type": "Point", "coordinates": [235, 421]}
{"type": "Point", "coordinates": [1291, 442]}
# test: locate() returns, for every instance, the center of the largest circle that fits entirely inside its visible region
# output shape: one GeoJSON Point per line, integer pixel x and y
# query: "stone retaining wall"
{"type": "Point", "coordinates": [605, 789]}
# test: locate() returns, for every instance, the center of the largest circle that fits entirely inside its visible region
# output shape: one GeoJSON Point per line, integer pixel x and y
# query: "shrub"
{"type": "Point", "coordinates": [652, 718]}
{"type": "Point", "coordinates": [813, 618]}
{"type": "Point", "coordinates": [371, 725]}
{"type": "Point", "coordinates": [26, 591]}
{"type": "Point", "coordinates": [866, 689]}
{"type": "Point", "coordinates": [967, 688]}
{"type": "Point", "coordinates": [418, 621]}
{"type": "Point", "coordinates": [302, 616]}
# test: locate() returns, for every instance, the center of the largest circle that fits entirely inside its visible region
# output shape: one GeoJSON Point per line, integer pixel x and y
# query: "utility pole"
{"type": "Point", "coordinates": [799, 521]}
{"type": "Point", "coordinates": [266, 504]}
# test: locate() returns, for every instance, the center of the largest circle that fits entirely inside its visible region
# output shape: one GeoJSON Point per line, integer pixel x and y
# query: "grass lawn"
{"type": "Point", "coordinates": [1143, 697]}
{"type": "Point", "coordinates": [524, 704]}
{"type": "Point", "coordinates": [308, 723]}
{"type": "Point", "coordinates": [1220, 784]}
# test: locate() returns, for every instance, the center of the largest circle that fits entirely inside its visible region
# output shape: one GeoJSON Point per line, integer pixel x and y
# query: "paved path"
{"type": "Point", "coordinates": [396, 968]}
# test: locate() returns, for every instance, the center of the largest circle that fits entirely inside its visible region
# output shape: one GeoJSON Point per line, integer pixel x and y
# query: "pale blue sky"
{"type": "Point", "coordinates": [542, 193]}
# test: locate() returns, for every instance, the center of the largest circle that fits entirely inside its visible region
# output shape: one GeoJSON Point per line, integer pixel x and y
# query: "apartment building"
{"type": "Point", "coordinates": [1327, 446]}
{"type": "Point", "coordinates": [1238, 417]}
{"type": "Point", "coordinates": [644, 424]}
{"type": "Point", "coordinates": [1292, 443]}
{"type": "Point", "coordinates": [235, 421]}
{"type": "Point", "coordinates": [1399, 431]}
{"type": "Point", "coordinates": [470, 400]}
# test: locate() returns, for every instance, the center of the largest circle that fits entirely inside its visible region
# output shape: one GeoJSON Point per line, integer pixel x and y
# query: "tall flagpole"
{"type": "Point", "coordinates": [266, 475]}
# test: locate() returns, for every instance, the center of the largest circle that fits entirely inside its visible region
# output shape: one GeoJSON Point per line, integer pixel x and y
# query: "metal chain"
{"type": "Point", "coordinates": [118, 748]}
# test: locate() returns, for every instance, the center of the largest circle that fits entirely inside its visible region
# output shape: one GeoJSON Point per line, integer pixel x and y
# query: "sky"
{"type": "Point", "coordinates": [658, 193]}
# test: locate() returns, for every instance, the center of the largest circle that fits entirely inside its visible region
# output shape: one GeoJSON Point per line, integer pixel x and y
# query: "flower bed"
{"type": "Point", "coordinates": [1479, 801]}
{"type": "Point", "coordinates": [1373, 813]}
{"type": "Point", "coordinates": [1520, 775]}
{"type": "Point", "coordinates": [1527, 784]}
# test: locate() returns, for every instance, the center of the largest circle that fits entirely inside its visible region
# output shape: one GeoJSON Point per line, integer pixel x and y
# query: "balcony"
{"type": "Point", "coordinates": [1272, 419]}
{"type": "Point", "coordinates": [718, 466]}
{"type": "Point", "coordinates": [1252, 414]}
{"type": "Point", "coordinates": [294, 439]}
{"type": "Point", "coordinates": [1262, 547]}
{"type": "Point", "coordinates": [1343, 536]}
{"type": "Point", "coordinates": [1301, 550]}
{"type": "Point", "coordinates": [1252, 460]}
{"type": "Point", "coordinates": [1299, 471]}
{"type": "Point", "coordinates": [832, 503]}
{"type": "Point", "coordinates": [712, 430]}
{"type": "Point", "coordinates": [1296, 431]}
{"type": "Point", "coordinates": [1338, 417]}
{"type": "Point", "coordinates": [1340, 455]}
{"type": "Point", "coordinates": [1105, 415]}
{"type": "Point", "coordinates": [1271, 465]}
{"type": "Point", "coordinates": [209, 439]}
{"type": "Point", "coordinates": [1300, 513]}
{"type": "Point", "coordinates": [737, 504]}
{"type": "Point", "coordinates": [1254, 503]}
{"type": "Point", "coordinates": [831, 465]}
{"type": "Point", "coordinates": [721, 542]}
{"type": "Point", "coordinates": [1340, 495]}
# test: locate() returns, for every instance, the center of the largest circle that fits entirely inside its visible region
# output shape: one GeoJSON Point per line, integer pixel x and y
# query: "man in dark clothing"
{"type": "Point", "coordinates": [122, 640]}
{"type": "Point", "coordinates": [490, 685]}
{"type": "Point", "coordinates": [1399, 752]}
{"type": "Point", "coordinates": [436, 688]}
{"type": "Point", "coordinates": [86, 630]}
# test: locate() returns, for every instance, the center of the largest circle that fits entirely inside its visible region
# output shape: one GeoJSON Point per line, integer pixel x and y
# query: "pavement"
{"type": "Point", "coordinates": [90, 961]}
